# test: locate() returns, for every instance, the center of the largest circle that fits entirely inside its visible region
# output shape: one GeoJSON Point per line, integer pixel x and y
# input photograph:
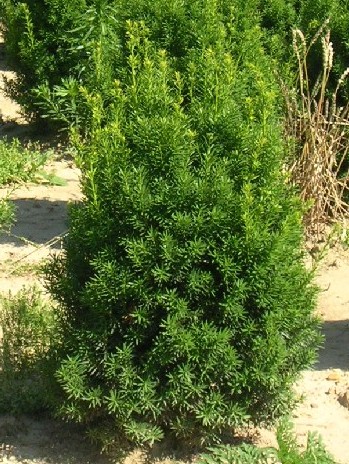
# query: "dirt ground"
{"type": "Point", "coordinates": [41, 222]}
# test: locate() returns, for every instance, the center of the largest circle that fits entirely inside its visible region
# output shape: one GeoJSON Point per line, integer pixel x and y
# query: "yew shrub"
{"type": "Point", "coordinates": [186, 304]}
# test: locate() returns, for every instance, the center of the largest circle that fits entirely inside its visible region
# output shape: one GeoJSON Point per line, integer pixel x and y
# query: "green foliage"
{"type": "Point", "coordinates": [278, 17]}
{"type": "Point", "coordinates": [29, 340]}
{"type": "Point", "coordinates": [38, 44]}
{"type": "Point", "coordinates": [18, 163]}
{"type": "Point", "coordinates": [56, 46]}
{"type": "Point", "coordinates": [186, 305]}
{"type": "Point", "coordinates": [243, 454]}
{"type": "Point", "coordinates": [7, 214]}
{"type": "Point", "coordinates": [288, 451]}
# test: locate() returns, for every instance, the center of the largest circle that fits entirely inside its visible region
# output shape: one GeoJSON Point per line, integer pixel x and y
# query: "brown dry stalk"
{"type": "Point", "coordinates": [320, 130]}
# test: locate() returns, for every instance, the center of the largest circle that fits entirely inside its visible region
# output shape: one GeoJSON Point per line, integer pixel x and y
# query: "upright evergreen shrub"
{"type": "Point", "coordinates": [185, 300]}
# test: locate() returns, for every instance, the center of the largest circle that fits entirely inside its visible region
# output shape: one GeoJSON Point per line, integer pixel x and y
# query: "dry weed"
{"type": "Point", "coordinates": [319, 129]}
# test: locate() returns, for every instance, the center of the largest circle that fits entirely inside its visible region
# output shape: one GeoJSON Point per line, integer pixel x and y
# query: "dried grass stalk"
{"type": "Point", "coordinates": [320, 131]}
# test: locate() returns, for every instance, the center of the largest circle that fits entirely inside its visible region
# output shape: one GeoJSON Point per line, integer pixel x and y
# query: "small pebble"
{"type": "Point", "coordinates": [344, 399]}
{"type": "Point", "coordinates": [334, 376]}
{"type": "Point", "coordinates": [332, 391]}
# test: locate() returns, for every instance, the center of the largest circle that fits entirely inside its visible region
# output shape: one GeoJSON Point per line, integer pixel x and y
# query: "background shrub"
{"type": "Point", "coordinates": [55, 46]}
{"type": "Point", "coordinates": [28, 351]}
{"type": "Point", "coordinates": [83, 43]}
{"type": "Point", "coordinates": [186, 305]}
{"type": "Point", "coordinates": [38, 44]}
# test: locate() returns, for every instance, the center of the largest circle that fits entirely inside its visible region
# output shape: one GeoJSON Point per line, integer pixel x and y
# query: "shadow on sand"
{"type": "Point", "coordinates": [38, 221]}
{"type": "Point", "coordinates": [335, 351]}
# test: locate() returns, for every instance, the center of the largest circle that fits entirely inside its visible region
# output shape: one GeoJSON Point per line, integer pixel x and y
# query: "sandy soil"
{"type": "Point", "coordinates": [41, 222]}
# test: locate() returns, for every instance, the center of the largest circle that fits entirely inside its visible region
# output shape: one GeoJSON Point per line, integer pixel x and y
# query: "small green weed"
{"type": "Point", "coordinates": [7, 214]}
{"type": "Point", "coordinates": [18, 163]}
{"type": "Point", "coordinates": [50, 178]}
{"type": "Point", "coordinates": [21, 268]}
{"type": "Point", "coordinates": [288, 451]}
